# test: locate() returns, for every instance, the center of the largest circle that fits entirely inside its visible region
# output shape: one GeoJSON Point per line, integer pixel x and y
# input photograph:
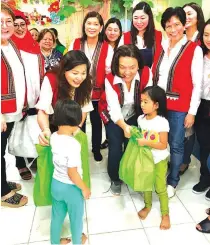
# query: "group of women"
{"type": "Point", "coordinates": [104, 72]}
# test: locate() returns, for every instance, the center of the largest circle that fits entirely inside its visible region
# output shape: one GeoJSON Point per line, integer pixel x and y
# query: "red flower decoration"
{"type": "Point", "coordinates": [42, 23]}
{"type": "Point", "coordinates": [25, 1]}
{"type": "Point", "coordinates": [54, 7]}
{"type": "Point", "coordinates": [49, 20]}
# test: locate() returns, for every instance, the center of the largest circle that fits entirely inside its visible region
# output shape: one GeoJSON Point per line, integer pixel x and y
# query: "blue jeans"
{"type": "Point", "coordinates": [66, 198]}
{"type": "Point", "coordinates": [188, 148]}
{"type": "Point", "coordinates": [117, 145]}
{"type": "Point", "coordinates": [176, 142]}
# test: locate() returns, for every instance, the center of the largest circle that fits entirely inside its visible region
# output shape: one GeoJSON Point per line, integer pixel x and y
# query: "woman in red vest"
{"type": "Point", "coordinates": [34, 71]}
{"type": "Point", "coordinates": [100, 55]}
{"type": "Point", "coordinates": [13, 95]}
{"type": "Point", "coordinates": [113, 32]}
{"type": "Point", "coordinates": [143, 33]}
{"type": "Point", "coordinates": [70, 79]}
{"type": "Point", "coordinates": [194, 24]}
{"type": "Point", "coordinates": [177, 68]}
{"type": "Point", "coordinates": [202, 125]}
{"type": "Point", "coordinates": [119, 106]}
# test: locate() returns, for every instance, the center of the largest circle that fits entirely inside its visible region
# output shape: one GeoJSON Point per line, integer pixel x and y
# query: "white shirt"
{"type": "Point", "coordinates": [31, 64]}
{"type": "Point", "coordinates": [151, 129]}
{"type": "Point", "coordinates": [206, 79]}
{"type": "Point", "coordinates": [66, 154]}
{"type": "Point", "coordinates": [194, 36]}
{"type": "Point", "coordinates": [115, 111]}
{"type": "Point", "coordinates": [139, 43]}
{"type": "Point", "coordinates": [46, 96]}
{"type": "Point", "coordinates": [196, 71]}
{"type": "Point", "coordinates": [89, 54]}
{"type": "Point", "coordinates": [19, 80]}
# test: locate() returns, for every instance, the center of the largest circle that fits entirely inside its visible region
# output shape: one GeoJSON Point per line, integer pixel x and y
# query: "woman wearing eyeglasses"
{"type": "Point", "coordinates": [13, 90]}
{"type": "Point", "coordinates": [178, 68]}
{"type": "Point", "coordinates": [34, 71]}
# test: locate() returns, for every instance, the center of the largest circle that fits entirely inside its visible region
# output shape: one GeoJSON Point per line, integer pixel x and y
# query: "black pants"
{"type": "Point", "coordinates": [116, 140]}
{"type": "Point", "coordinates": [202, 127]}
{"type": "Point", "coordinates": [96, 124]}
{"type": "Point", "coordinates": [4, 136]}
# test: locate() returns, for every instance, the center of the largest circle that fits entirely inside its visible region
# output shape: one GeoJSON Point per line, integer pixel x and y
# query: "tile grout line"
{"type": "Point", "coordinates": [32, 225]}
{"type": "Point", "coordinates": [140, 219]}
{"type": "Point", "coordinates": [190, 215]}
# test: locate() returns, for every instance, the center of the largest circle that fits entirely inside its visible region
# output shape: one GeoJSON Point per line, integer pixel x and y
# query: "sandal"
{"type": "Point", "coordinates": [205, 226]}
{"type": "Point", "coordinates": [208, 211]}
{"type": "Point", "coordinates": [14, 200]}
{"type": "Point", "coordinates": [25, 173]}
{"type": "Point", "coordinates": [14, 186]}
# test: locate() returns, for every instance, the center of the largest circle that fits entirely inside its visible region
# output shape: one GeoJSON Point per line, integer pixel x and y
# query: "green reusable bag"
{"type": "Point", "coordinates": [45, 167]}
{"type": "Point", "coordinates": [137, 164]}
{"type": "Point", "coordinates": [43, 179]}
{"type": "Point", "coordinates": [81, 137]}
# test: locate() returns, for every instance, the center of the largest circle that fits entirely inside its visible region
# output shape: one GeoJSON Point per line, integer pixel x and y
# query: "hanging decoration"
{"type": "Point", "coordinates": [54, 7]}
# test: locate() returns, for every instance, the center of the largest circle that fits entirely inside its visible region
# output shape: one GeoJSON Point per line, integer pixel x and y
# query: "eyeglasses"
{"type": "Point", "coordinates": [22, 25]}
{"type": "Point", "coordinates": [7, 23]}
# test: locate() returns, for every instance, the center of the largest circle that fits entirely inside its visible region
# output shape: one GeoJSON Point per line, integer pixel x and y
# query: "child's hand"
{"type": "Point", "coordinates": [44, 137]}
{"type": "Point", "coordinates": [86, 193]}
{"type": "Point", "coordinates": [142, 141]}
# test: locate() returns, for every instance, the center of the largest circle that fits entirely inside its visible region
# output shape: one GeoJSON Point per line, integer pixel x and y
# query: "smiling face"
{"type": "Point", "coordinates": [206, 36]}
{"type": "Point", "coordinates": [34, 34]}
{"type": "Point", "coordinates": [140, 20]}
{"type": "Point", "coordinates": [112, 32]}
{"type": "Point", "coordinates": [77, 75]}
{"type": "Point", "coordinates": [20, 28]}
{"type": "Point", "coordinates": [174, 29]}
{"type": "Point", "coordinates": [128, 67]}
{"type": "Point", "coordinates": [191, 17]}
{"type": "Point", "coordinates": [47, 42]}
{"type": "Point", "coordinates": [92, 27]}
{"type": "Point", "coordinates": [7, 25]}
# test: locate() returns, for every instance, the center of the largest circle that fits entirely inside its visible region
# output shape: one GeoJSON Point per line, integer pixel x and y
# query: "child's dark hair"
{"type": "Point", "coordinates": [157, 95]}
{"type": "Point", "coordinates": [67, 113]}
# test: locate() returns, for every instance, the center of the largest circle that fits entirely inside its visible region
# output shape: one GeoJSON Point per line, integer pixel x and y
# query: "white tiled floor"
{"type": "Point", "coordinates": [108, 219]}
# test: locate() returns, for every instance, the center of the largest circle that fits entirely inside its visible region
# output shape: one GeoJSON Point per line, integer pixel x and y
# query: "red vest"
{"type": "Point", "coordinates": [98, 86]}
{"type": "Point", "coordinates": [139, 86]}
{"type": "Point", "coordinates": [179, 84]}
{"type": "Point", "coordinates": [53, 83]}
{"type": "Point", "coordinates": [157, 44]}
{"type": "Point", "coordinates": [8, 94]}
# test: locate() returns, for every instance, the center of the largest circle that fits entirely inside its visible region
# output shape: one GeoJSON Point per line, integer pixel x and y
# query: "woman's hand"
{"type": "Point", "coordinates": [44, 137]}
{"type": "Point", "coordinates": [189, 121]}
{"type": "Point", "coordinates": [86, 193]}
{"type": "Point", "coordinates": [3, 124]}
{"type": "Point", "coordinates": [127, 130]}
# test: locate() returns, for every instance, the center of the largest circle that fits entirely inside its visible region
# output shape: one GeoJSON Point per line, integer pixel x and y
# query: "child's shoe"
{"type": "Point", "coordinates": [171, 191]}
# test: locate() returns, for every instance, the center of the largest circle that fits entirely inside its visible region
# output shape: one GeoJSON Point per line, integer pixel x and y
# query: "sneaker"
{"type": "Point", "coordinates": [97, 156]}
{"type": "Point", "coordinates": [104, 145]}
{"type": "Point", "coordinates": [116, 188]}
{"type": "Point", "coordinates": [200, 188]}
{"type": "Point", "coordinates": [171, 191]}
{"type": "Point", "coordinates": [208, 195]}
